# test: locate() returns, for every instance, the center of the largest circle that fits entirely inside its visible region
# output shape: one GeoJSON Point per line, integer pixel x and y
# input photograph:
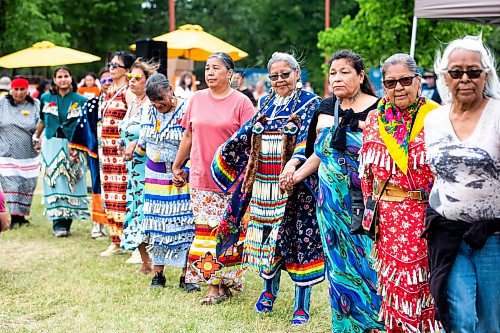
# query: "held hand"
{"type": "Point", "coordinates": [128, 153]}
{"type": "Point", "coordinates": [286, 178]}
{"type": "Point", "coordinates": [288, 172]}
{"type": "Point", "coordinates": [73, 155]}
{"type": "Point", "coordinates": [120, 149]}
{"type": "Point", "coordinates": [180, 177]}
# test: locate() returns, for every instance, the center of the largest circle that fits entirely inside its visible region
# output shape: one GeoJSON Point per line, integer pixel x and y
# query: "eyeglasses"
{"type": "Point", "coordinates": [284, 76]}
{"type": "Point", "coordinates": [405, 82]}
{"type": "Point", "coordinates": [108, 80]}
{"type": "Point", "coordinates": [115, 65]}
{"type": "Point", "coordinates": [136, 76]}
{"type": "Point", "coordinates": [471, 73]}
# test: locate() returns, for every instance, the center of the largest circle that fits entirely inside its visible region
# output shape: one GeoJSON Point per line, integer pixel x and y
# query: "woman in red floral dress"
{"type": "Point", "coordinates": [393, 150]}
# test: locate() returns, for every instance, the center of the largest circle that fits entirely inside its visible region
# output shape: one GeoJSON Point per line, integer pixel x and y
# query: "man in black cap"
{"type": "Point", "coordinates": [429, 88]}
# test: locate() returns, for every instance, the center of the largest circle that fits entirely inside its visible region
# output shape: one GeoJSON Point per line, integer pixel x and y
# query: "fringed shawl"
{"type": "Point", "coordinates": [389, 155]}
{"type": "Point", "coordinates": [232, 158]}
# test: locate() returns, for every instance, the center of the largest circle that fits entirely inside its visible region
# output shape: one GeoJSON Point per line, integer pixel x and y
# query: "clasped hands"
{"type": "Point", "coordinates": [180, 176]}
{"type": "Point", "coordinates": [287, 177]}
{"type": "Point", "coordinates": [128, 152]}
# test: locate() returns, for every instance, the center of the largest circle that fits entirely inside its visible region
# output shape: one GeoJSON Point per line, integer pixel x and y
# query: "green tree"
{"type": "Point", "coordinates": [383, 27]}
{"type": "Point", "coordinates": [98, 26]}
{"type": "Point", "coordinates": [494, 43]}
{"type": "Point", "coordinates": [28, 22]}
{"type": "Point", "coordinates": [260, 27]}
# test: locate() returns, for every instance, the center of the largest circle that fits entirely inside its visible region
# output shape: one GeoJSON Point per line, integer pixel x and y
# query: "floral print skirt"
{"type": "Point", "coordinates": [203, 263]}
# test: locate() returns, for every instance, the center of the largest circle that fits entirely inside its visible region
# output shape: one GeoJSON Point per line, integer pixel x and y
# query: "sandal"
{"type": "Point", "coordinates": [212, 299]}
{"type": "Point", "coordinates": [227, 293]}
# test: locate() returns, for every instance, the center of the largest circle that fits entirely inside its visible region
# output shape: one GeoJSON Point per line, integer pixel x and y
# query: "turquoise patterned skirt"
{"type": "Point", "coordinates": [64, 185]}
{"type": "Point", "coordinates": [354, 301]}
{"type": "Point", "coordinates": [133, 235]}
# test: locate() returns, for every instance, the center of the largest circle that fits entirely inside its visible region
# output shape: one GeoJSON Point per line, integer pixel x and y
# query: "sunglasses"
{"type": "Point", "coordinates": [108, 80]}
{"type": "Point", "coordinates": [115, 65]}
{"type": "Point", "coordinates": [284, 76]}
{"type": "Point", "coordinates": [405, 82]}
{"type": "Point", "coordinates": [136, 76]}
{"type": "Point", "coordinates": [471, 73]}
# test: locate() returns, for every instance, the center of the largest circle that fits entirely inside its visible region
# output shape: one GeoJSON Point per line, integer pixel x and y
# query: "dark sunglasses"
{"type": "Point", "coordinates": [471, 73]}
{"type": "Point", "coordinates": [284, 76]}
{"type": "Point", "coordinates": [115, 65]}
{"type": "Point", "coordinates": [405, 82]}
{"type": "Point", "coordinates": [108, 80]}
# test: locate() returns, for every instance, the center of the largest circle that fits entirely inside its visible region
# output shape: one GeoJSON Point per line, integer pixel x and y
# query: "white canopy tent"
{"type": "Point", "coordinates": [478, 11]}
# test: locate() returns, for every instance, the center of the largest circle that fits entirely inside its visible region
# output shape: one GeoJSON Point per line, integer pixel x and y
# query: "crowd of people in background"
{"type": "Point", "coordinates": [393, 199]}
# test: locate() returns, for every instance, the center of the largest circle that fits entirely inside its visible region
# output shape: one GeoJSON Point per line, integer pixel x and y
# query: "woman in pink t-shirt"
{"type": "Point", "coordinates": [213, 115]}
{"type": "Point", "coordinates": [4, 217]}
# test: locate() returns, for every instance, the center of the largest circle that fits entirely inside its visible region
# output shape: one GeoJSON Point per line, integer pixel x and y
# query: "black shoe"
{"type": "Point", "coordinates": [158, 281]}
{"type": "Point", "coordinates": [189, 287]}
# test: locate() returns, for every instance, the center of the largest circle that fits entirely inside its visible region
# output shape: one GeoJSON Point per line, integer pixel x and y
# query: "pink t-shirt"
{"type": "Point", "coordinates": [212, 122]}
{"type": "Point", "coordinates": [2, 202]}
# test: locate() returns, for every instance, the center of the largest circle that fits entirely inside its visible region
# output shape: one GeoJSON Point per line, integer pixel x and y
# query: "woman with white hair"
{"type": "Point", "coordinates": [282, 231]}
{"type": "Point", "coordinates": [463, 150]}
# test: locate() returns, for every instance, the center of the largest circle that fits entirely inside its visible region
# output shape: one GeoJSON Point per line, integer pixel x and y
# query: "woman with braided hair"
{"type": "Point", "coordinates": [282, 232]}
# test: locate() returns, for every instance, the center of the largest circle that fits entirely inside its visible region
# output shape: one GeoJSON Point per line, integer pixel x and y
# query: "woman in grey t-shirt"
{"type": "Point", "coordinates": [463, 150]}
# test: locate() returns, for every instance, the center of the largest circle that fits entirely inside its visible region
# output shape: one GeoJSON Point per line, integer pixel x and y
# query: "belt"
{"type": "Point", "coordinates": [398, 194]}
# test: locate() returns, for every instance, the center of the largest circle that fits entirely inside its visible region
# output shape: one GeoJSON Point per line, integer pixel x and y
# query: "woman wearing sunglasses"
{"type": "Point", "coordinates": [393, 151]}
{"type": "Point", "coordinates": [282, 232]}
{"type": "Point", "coordinates": [113, 168]}
{"type": "Point", "coordinates": [463, 217]}
{"type": "Point", "coordinates": [85, 139]}
{"type": "Point", "coordinates": [129, 129]}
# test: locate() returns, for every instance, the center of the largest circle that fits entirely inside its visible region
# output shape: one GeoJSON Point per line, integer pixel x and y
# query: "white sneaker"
{"type": "Point", "coordinates": [135, 258]}
{"type": "Point", "coordinates": [111, 250]}
{"type": "Point", "coordinates": [98, 230]}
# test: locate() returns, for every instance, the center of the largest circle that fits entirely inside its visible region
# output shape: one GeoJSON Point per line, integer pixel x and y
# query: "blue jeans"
{"type": "Point", "coordinates": [473, 289]}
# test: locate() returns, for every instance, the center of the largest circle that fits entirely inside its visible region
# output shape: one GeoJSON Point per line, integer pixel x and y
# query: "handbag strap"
{"type": "Point", "coordinates": [341, 160]}
{"type": "Point", "coordinates": [336, 114]}
{"type": "Point", "coordinates": [108, 104]}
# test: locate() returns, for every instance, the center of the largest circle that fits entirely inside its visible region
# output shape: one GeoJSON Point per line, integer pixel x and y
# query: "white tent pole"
{"type": "Point", "coordinates": [413, 37]}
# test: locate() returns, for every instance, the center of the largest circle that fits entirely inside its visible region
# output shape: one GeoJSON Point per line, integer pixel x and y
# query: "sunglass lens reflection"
{"type": "Point", "coordinates": [472, 73]}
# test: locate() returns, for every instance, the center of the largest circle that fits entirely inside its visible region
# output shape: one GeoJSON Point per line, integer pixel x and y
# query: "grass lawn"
{"type": "Point", "coordinates": [49, 284]}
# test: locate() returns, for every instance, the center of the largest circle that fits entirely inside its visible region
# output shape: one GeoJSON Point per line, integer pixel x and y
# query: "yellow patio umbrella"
{"type": "Point", "coordinates": [192, 42]}
{"type": "Point", "coordinates": [46, 54]}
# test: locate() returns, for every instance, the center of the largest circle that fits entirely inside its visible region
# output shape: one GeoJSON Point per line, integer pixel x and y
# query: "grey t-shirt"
{"type": "Point", "coordinates": [467, 184]}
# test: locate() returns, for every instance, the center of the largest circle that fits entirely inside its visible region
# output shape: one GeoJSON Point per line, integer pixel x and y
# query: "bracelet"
{"type": "Point", "coordinates": [35, 138]}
